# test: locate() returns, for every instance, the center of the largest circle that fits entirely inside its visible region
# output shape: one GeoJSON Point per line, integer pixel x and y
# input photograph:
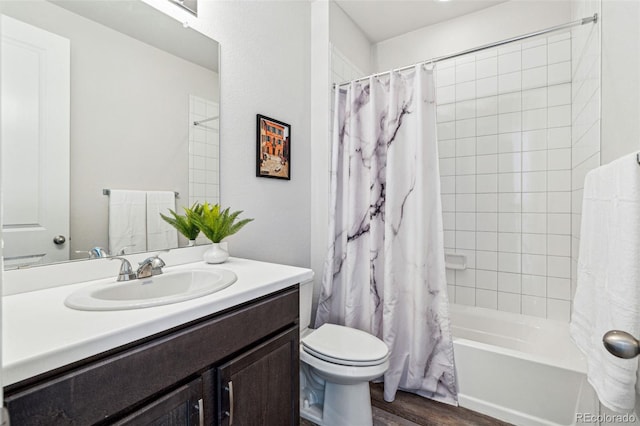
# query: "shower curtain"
{"type": "Point", "coordinates": [385, 271]}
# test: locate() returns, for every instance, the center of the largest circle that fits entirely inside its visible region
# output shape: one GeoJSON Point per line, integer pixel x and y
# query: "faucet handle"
{"type": "Point", "coordinates": [126, 271]}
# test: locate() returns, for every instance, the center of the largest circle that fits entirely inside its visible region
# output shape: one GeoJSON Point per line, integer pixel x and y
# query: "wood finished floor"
{"type": "Point", "coordinates": [413, 410]}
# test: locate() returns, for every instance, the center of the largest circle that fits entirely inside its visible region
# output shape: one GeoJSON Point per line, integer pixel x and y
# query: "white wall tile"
{"type": "Point", "coordinates": [509, 63]}
{"type": "Point", "coordinates": [465, 221]}
{"type": "Point", "coordinates": [534, 140]}
{"type": "Point", "coordinates": [487, 144]}
{"type": "Point", "coordinates": [466, 295]}
{"type": "Point", "coordinates": [535, 223]}
{"type": "Point", "coordinates": [508, 281]}
{"type": "Point", "coordinates": [534, 264]}
{"type": "Point", "coordinates": [559, 73]}
{"type": "Point", "coordinates": [534, 77]}
{"type": "Point", "coordinates": [534, 306]}
{"type": "Point", "coordinates": [534, 161]}
{"type": "Point", "coordinates": [465, 90]}
{"type": "Point", "coordinates": [465, 128]}
{"type": "Point", "coordinates": [447, 148]}
{"type": "Point", "coordinates": [487, 87]}
{"type": "Point", "coordinates": [559, 288]}
{"type": "Point", "coordinates": [510, 102]}
{"type": "Point", "coordinates": [559, 94]}
{"type": "Point", "coordinates": [487, 183]}
{"type": "Point", "coordinates": [487, 125]}
{"type": "Point", "coordinates": [486, 202]}
{"type": "Point", "coordinates": [486, 106]}
{"type": "Point", "coordinates": [509, 302]}
{"type": "Point", "coordinates": [559, 202]}
{"type": "Point", "coordinates": [534, 244]}
{"type": "Point", "coordinates": [534, 285]}
{"type": "Point", "coordinates": [446, 94]}
{"type": "Point", "coordinates": [509, 222]}
{"type": "Point", "coordinates": [487, 241]}
{"type": "Point", "coordinates": [487, 221]}
{"type": "Point", "coordinates": [559, 223]}
{"type": "Point", "coordinates": [559, 267]}
{"type": "Point", "coordinates": [509, 163]}
{"type": "Point", "coordinates": [559, 52]}
{"type": "Point", "coordinates": [465, 147]}
{"type": "Point", "coordinates": [465, 165]}
{"type": "Point", "coordinates": [466, 278]}
{"type": "Point", "coordinates": [559, 310]}
{"type": "Point", "coordinates": [558, 180]}
{"type": "Point", "coordinates": [466, 203]}
{"type": "Point", "coordinates": [534, 119]}
{"type": "Point", "coordinates": [510, 122]}
{"type": "Point", "coordinates": [559, 116]}
{"type": "Point", "coordinates": [559, 245]}
{"type": "Point", "coordinates": [465, 240]}
{"type": "Point", "coordinates": [510, 142]}
{"type": "Point", "coordinates": [445, 77]}
{"type": "Point", "coordinates": [465, 72]}
{"type": "Point", "coordinates": [510, 242]}
{"type": "Point", "coordinates": [487, 280]}
{"type": "Point", "coordinates": [446, 131]}
{"type": "Point", "coordinates": [465, 184]}
{"type": "Point", "coordinates": [447, 185]}
{"type": "Point", "coordinates": [465, 109]}
{"type": "Point", "coordinates": [559, 137]}
{"type": "Point", "coordinates": [534, 181]}
{"type": "Point", "coordinates": [487, 260]}
{"type": "Point", "coordinates": [486, 299]}
{"type": "Point", "coordinates": [509, 82]}
{"type": "Point", "coordinates": [487, 163]}
{"type": "Point", "coordinates": [535, 57]}
{"type": "Point", "coordinates": [534, 202]}
{"type": "Point", "coordinates": [487, 67]}
{"type": "Point", "coordinates": [510, 203]}
{"type": "Point", "coordinates": [534, 98]}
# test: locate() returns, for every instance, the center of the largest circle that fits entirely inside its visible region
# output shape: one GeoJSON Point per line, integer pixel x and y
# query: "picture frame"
{"type": "Point", "coordinates": [273, 148]}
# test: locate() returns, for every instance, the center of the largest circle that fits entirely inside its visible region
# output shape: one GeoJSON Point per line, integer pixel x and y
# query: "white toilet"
{"type": "Point", "coordinates": [336, 365]}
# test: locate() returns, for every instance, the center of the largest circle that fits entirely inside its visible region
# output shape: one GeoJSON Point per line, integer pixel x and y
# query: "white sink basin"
{"type": "Point", "coordinates": [170, 287]}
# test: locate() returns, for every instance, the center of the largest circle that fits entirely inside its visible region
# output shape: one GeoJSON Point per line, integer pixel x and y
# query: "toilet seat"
{"type": "Point", "coordinates": [345, 346]}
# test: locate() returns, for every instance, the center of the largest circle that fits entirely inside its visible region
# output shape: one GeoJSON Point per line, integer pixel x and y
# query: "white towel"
{"type": "Point", "coordinates": [608, 290]}
{"type": "Point", "coordinates": [160, 235]}
{"type": "Point", "coordinates": [127, 221]}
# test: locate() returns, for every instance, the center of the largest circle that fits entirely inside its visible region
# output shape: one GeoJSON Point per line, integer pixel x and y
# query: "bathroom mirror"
{"type": "Point", "coordinates": [100, 96]}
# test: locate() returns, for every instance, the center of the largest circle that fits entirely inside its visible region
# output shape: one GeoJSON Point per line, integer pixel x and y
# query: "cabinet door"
{"type": "Point", "coordinates": [260, 387]}
{"type": "Point", "coordinates": [181, 407]}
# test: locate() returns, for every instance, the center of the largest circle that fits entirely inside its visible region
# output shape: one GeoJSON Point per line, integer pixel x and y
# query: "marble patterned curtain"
{"type": "Point", "coordinates": [385, 271]}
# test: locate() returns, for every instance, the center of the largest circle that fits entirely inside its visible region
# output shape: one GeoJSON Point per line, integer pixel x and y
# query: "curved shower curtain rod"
{"type": "Point", "coordinates": [582, 21]}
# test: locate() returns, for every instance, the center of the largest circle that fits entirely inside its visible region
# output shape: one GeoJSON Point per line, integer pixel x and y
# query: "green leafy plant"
{"type": "Point", "coordinates": [217, 224]}
{"type": "Point", "coordinates": [184, 224]}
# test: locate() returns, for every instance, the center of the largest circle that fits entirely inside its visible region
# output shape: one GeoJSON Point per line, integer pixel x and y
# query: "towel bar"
{"type": "Point", "coordinates": [108, 192]}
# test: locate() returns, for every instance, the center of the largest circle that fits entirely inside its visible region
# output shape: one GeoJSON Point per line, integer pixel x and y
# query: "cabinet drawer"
{"type": "Point", "coordinates": [105, 387]}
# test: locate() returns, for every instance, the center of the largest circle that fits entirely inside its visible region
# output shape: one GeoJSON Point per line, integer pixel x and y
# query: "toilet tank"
{"type": "Point", "coordinates": [306, 299]}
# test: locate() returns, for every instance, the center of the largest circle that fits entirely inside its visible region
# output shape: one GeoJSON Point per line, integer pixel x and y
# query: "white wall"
{"type": "Point", "coordinates": [125, 133]}
{"type": "Point", "coordinates": [264, 69]}
{"type": "Point", "coordinates": [349, 39]}
{"type": "Point", "coordinates": [499, 22]}
{"type": "Point", "coordinates": [620, 78]}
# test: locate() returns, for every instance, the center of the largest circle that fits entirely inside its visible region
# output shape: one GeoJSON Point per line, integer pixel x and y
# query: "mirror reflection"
{"type": "Point", "coordinates": [110, 116]}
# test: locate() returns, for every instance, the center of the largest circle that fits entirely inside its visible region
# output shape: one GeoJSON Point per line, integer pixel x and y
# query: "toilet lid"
{"type": "Point", "coordinates": [346, 346]}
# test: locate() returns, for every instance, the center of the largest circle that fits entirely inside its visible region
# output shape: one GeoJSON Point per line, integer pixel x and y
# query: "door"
{"type": "Point", "coordinates": [260, 387]}
{"type": "Point", "coordinates": [35, 86]}
{"type": "Point", "coordinates": [181, 407]}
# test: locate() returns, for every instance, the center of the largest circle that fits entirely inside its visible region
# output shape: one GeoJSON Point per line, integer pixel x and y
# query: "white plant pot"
{"type": "Point", "coordinates": [192, 243]}
{"type": "Point", "coordinates": [216, 254]}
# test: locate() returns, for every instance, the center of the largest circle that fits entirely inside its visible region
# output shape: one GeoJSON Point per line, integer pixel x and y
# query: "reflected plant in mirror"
{"type": "Point", "coordinates": [132, 104]}
{"type": "Point", "coordinates": [184, 224]}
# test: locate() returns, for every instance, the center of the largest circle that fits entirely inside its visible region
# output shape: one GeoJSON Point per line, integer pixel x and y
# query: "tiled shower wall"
{"type": "Point", "coordinates": [204, 151]}
{"type": "Point", "coordinates": [504, 130]}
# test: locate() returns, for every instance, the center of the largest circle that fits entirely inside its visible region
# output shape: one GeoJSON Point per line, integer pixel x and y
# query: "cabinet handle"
{"type": "Point", "coordinates": [229, 388]}
{"type": "Point", "coordinates": [200, 412]}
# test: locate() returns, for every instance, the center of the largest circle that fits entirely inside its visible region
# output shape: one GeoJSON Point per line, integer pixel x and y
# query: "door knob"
{"type": "Point", "coordinates": [59, 240]}
{"type": "Point", "coordinates": [621, 344]}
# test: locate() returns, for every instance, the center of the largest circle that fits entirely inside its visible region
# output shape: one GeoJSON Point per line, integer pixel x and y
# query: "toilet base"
{"type": "Point", "coordinates": [344, 405]}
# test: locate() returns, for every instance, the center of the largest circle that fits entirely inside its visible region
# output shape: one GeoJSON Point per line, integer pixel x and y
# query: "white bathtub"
{"type": "Point", "coordinates": [519, 369]}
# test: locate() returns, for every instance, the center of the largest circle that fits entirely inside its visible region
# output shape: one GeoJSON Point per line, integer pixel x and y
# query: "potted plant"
{"type": "Point", "coordinates": [216, 224]}
{"type": "Point", "coordinates": [184, 224]}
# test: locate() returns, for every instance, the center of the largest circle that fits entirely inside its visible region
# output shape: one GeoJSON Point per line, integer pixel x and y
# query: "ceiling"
{"type": "Point", "coordinates": [384, 19]}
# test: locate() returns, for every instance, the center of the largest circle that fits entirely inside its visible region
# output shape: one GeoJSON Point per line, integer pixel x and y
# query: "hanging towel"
{"type": "Point", "coordinates": [127, 221]}
{"type": "Point", "coordinates": [608, 290]}
{"type": "Point", "coordinates": [160, 235]}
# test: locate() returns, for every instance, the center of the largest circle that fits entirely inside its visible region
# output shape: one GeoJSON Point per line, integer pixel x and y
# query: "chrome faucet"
{"type": "Point", "coordinates": [126, 271]}
{"type": "Point", "coordinates": [150, 266]}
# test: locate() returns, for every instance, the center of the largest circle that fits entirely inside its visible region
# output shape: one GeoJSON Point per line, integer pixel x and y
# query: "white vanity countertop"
{"type": "Point", "coordinates": [40, 333]}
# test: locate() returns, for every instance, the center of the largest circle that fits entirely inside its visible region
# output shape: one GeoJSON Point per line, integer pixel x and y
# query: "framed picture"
{"type": "Point", "coordinates": [273, 156]}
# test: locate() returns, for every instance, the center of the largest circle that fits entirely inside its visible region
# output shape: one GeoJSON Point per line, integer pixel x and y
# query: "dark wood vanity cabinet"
{"type": "Point", "coordinates": [238, 367]}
